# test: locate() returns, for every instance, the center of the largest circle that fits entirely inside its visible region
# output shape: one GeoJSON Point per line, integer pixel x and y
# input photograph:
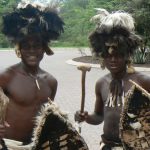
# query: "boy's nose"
{"type": "Point", "coordinates": [112, 58]}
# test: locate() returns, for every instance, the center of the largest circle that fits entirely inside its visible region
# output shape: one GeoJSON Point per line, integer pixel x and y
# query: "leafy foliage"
{"type": "Point", "coordinates": [141, 12]}
{"type": "Point", "coordinates": [5, 6]}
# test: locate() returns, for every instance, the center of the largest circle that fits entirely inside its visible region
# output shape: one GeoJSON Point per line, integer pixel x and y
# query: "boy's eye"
{"type": "Point", "coordinates": [28, 47]}
{"type": "Point", "coordinates": [25, 47]}
{"type": "Point", "coordinates": [37, 46]}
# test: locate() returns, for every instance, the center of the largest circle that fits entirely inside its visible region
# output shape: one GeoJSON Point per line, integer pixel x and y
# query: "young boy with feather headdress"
{"type": "Point", "coordinates": [30, 27]}
{"type": "Point", "coordinates": [115, 41]}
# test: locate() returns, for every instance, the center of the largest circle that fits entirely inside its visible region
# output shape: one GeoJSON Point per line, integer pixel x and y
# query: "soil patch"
{"type": "Point", "coordinates": [91, 60]}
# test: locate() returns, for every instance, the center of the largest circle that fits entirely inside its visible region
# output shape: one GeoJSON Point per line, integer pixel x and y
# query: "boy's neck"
{"type": "Point", "coordinates": [119, 75]}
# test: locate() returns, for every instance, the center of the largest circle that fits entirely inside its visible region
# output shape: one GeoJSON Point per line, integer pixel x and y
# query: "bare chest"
{"type": "Point", "coordinates": [27, 90]}
{"type": "Point", "coordinates": [105, 90]}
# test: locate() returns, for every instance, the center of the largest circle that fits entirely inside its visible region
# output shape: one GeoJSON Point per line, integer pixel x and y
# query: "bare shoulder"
{"type": "Point", "coordinates": [49, 78]}
{"type": "Point", "coordinates": [103, 81]}
{"type": "Point", "coordinates": [6, 75]}
{"type": "Point", "coordinates": [142, 79]}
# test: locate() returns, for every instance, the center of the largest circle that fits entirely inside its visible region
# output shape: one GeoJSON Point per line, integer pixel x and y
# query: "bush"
{"type": "Point", "coordinates": [142, 56]}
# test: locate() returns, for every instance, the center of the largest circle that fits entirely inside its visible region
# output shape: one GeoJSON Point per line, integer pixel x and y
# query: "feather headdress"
{"type": "Point", "coordinates": [117, 19]}
{"type": "Point", "coordinates": [33, 17]}
{"type": "Point", "coordinates": [101, 13]}
{"type": "Point", "coordinates": [117, 27]}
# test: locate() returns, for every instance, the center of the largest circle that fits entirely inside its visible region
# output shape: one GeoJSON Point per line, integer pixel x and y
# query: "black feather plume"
{"type": "Point", "coordinates": [31, 20]}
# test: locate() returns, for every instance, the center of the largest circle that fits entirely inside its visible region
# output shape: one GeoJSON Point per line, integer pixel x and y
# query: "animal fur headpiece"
{"type": "Point", "coordinates": [32, 17]}
{"type": "Point", "coordinates": [114, 31]}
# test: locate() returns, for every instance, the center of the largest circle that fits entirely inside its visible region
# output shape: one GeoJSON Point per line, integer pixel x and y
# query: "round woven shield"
{"type": "Point", "coordinates": [135, 120]}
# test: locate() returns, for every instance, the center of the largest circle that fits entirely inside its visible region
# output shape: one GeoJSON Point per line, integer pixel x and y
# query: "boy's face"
{"type": "Point", "coordinates": [114, 61]}
{"type": "Point", "coordinates": [31, 49]}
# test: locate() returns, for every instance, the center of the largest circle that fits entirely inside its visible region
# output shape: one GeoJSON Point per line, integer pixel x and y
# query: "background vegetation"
{"type": "Point", "coordinates": [77, 13]}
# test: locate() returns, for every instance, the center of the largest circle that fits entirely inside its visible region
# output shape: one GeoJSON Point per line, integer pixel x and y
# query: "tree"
{"type": "Point", "coordinates": [5, 6]}
{"type": "Point", "coordinates": [140, 9]}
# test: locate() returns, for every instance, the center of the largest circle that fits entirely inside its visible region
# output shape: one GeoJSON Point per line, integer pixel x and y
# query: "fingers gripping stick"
{"type": "Point", "coordinates": [84, 69]}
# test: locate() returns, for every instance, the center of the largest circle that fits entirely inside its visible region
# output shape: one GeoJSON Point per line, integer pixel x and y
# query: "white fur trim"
{"type": "Point", "coordinates": [117, 19]}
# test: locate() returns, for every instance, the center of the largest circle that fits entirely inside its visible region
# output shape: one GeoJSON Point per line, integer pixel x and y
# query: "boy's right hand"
{"type": "Point", "coordinates": [80, 117]}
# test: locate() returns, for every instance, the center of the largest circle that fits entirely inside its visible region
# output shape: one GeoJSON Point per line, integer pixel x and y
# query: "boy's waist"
{"type": "Point", "coordinates": [111, 142]}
